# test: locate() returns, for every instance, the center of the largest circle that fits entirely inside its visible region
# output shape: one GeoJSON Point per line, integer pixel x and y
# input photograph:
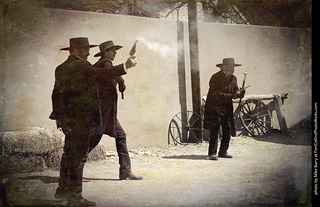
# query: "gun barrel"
{"type": "Point", "coordinates": [244, 79]}
{"type": "Point", "coordinates": [133, 49]}
{"type": "Point", "coordinates": [247, 87]}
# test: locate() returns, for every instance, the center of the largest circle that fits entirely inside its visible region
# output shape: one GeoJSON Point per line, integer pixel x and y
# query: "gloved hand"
{"type": "Point", "coordinates": [131, 62]}
{"type": "Point", "coordinates": [240, 93]}
{"type": "Point", "coordinates": [122, 87]}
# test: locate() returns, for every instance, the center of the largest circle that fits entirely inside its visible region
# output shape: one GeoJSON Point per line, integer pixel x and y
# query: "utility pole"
{"type": "Point", "coordinates": [182, 79]}
{"type": "Point", "coordinates": [194, 64]}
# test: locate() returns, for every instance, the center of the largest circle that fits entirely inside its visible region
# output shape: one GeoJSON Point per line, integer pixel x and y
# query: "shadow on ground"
{"type": "Point", "coordinates": [48, 179]}
{"type": "Point", "coordinates": [187, 157]}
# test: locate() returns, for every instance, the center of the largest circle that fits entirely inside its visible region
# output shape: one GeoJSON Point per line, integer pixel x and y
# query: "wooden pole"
{"type": "Point", "coordinates": [194, 55]}
{"type": "Point", "coordinates": [194, 63]}
{"type": "Point", "coordinates": [280, 115]}
{"type": "Point", "coordinates": [182, 78]}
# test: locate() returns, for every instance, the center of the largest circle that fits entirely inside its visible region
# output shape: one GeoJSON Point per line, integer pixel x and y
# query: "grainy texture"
{"type": "Point", "coordinates": [269, 171]}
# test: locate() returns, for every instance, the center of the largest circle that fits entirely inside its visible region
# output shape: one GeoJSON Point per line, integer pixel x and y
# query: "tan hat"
{"type": "Point", "coordinates": [78, 42]}
{"type": "Point", "coordinates": [228, 61]}
{"type": "Point", "coordinates": [107, 45]}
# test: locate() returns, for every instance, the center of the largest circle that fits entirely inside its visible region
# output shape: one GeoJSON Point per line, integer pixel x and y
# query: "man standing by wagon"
{"type": "Point", "coordinates": [219, 108]}
{"type": "Point", "coordinates": [108, 96]}
{"type": "Point", "coordinates": [74, 102]}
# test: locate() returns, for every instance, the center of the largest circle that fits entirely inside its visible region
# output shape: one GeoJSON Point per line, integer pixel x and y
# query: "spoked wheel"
{"type": "Point", "coordinates": [185, 127]}
{"type": "Point", "coordinates": [256, 118]}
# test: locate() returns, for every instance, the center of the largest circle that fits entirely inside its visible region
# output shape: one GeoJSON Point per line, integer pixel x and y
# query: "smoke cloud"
{"type": "Point", "coordinates": [157, 48]}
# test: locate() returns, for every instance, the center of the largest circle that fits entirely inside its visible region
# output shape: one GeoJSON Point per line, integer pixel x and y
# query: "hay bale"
{"type": "Point", "coordinates": [54, 158]}
{"type": "Point", "coordinates": [35, 140]}
{"type": "Point", "coordinates": [22, 164]}
{"type": "Point", "coordinates": [98, 153]}
{"type": "Point", "coordinates": [30, 150]}
{"type": "Point", "coordinates": [36, 149]}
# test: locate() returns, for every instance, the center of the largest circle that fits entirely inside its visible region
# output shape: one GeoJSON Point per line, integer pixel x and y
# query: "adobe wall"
{"type": "Point", "coordinates": [276, 59]}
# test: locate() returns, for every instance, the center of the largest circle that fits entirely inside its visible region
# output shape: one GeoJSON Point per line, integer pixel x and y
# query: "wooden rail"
{"type": "Point", "coordinates": [276, 104]}
{"type": "Point", "coordinates": [262, 97]}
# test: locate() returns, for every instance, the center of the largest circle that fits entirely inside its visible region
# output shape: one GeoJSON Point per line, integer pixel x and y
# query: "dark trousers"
{"type": "Point", "coordinates": [214, 130]}
{"type": "Point", "coordinates": [73, 158]}
{"type": "Point", "coordinates": [121, 145]}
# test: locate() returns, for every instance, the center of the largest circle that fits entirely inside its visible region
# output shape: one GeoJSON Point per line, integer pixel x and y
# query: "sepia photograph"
{"type": "Point", "coordinates": [147, 103]}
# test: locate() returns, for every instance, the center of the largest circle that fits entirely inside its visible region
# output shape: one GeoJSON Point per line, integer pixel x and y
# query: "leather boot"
{"type": "Point", "coordinates": [75, 187]}
{"type": "Point", "coordinates": [75, 181]}
{"type": "Point", "coordinates": [62, 191]}
{"type": "Point", "coordinates": [224, 155]}
{"type": "Point", "coordinates": [80, 201]}
{"type": "Point", "coordinates": [128, 175]}
{"type": "Point", "coordinates": [213, 157]}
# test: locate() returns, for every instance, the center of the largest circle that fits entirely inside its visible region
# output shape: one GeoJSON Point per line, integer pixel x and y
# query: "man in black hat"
{"type": "Point", "coordinates": [74, 101]}
{"type": "Point", "coordinates": [108, 96]}
{"type": "Point", "coordinates": [219, 108]}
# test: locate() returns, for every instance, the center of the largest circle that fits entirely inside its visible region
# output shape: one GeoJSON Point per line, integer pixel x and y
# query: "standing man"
{"type": "Point", "coordinates": [74, 102]}
{"type": "Point", "coordinates": [219, 108]}
{"type": "Point", "coordinates": [107, 92]}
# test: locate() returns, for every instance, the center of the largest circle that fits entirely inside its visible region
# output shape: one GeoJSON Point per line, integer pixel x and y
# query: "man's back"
{"type": "Point", "coordinates": [72, 94]}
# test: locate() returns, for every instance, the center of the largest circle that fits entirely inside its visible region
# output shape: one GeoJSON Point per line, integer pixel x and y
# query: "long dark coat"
{"type": "Point", "coordinates": [219, 99]}
{"type": "Point", "coordinates": [74, 96]}
{"type": "Point", "coordinates": [108, 95]}
{"type": "Point", "coordinates": [74, 102]}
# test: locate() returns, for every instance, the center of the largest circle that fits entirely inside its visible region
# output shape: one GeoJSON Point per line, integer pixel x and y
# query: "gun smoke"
{"type": "Point", "coordinates": [157, 48]}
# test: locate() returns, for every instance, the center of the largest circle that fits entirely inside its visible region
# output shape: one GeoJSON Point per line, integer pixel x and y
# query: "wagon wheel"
{"type": "Point", "coordinates": [184, 127]}
{"type": "Point", "coordinates": [255, 117]}
{"type": "Point", "coordinates": [174, 133]}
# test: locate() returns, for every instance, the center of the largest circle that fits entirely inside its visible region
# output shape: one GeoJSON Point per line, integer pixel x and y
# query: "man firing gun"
{"type": "Point", "coordinates": [107, 91]}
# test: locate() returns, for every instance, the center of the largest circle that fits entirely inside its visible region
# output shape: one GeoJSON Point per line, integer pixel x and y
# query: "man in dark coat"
{"type": "Point", "coordinates": [219, 108]}
{"type": "Point", "coordinates": [107, 92]}
{"type": "Point", "coordinates": [74, 101]}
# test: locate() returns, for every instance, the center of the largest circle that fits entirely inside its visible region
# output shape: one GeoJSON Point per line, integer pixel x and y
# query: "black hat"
{"type": "Point", "coordinates": [78, 42]}
{"type": "Point", "coordinates": [105, 46]}
{"type": "Point", "coordinates": [228, 61]}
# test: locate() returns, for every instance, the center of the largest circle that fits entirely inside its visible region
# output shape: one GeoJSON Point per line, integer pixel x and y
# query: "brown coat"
{"type": "Point", "coordinates": [107, 90]}
{"type": "Point", "coordinates": [219, 98]}
{"type": "Point", "coordinates": [74, 96]}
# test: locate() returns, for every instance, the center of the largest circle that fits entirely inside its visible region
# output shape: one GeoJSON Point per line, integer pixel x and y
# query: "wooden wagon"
{"type": "Point", "coordinates": [254, 114]}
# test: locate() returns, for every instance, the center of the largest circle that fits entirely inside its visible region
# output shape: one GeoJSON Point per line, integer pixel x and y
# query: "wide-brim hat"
{"type": "Point", "coordinates": [105, 46]}
{"type": "Point", "coordinates": [78, 42]}
{"type": "Point", "coordinates": [228, 62]}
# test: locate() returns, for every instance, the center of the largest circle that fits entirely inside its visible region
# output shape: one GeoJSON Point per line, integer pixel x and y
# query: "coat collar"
{"type": "Point", "coordinates": [222, 74]}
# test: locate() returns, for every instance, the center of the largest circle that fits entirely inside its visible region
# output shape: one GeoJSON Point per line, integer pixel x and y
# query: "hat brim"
{"type": "Point", "coordinates": [235, 65]}
{"type": "Point", "coordinates": [68, 48]}
{"type": "Point", "coordinates": [117, 47]}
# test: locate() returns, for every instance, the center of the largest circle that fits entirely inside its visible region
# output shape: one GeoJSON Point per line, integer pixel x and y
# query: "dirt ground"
{"type": "Point", "coordinates": [270, 171]}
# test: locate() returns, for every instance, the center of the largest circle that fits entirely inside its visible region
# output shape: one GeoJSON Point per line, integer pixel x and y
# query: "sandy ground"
{"type": "Point", "coordinates": [270, 171]}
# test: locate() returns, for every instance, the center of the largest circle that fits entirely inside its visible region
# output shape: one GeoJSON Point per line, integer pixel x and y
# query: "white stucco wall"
{"type": "Point", "coordinates": [276, 59]}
